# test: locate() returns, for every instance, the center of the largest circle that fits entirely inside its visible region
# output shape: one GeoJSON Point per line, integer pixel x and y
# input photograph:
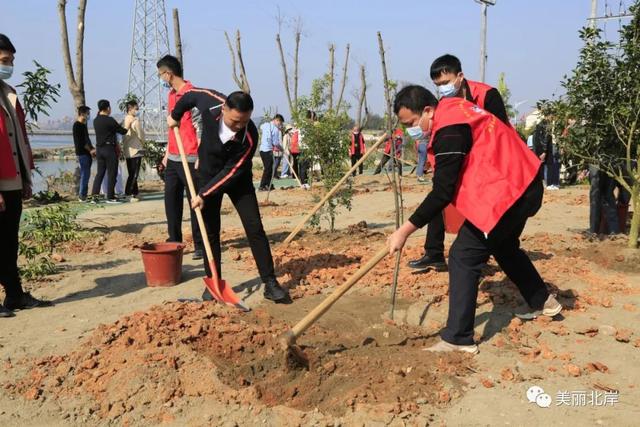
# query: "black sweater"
{"type": "Point", "coordinates": [451, 145]}
{"type": "Point", "coordinates": [81, 139]}
{"type": "Point", "coordinates": [221, 166]}
{"type": "Point", "coordinates": [106, 129]}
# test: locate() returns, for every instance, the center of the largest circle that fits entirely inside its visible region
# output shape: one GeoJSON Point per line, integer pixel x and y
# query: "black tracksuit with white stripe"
{"type": "Point", "coordinates": [226, 169]}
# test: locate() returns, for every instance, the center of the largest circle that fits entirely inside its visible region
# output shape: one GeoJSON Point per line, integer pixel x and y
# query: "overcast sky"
{"type": "Point", "coordinates": [535, 42]}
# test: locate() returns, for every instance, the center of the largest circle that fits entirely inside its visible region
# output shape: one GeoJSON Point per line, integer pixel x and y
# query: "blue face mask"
{"type": "Point", "coordinates": [447, 90]}
{"type": "Point", "coordinates": [416, 133]}
{"type": "Point", "coordinates": [6, 71]}
{"type": "Point", "coordinates": [166, 85]}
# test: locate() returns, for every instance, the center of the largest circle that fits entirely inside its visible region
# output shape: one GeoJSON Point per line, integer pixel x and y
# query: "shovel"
{"type": "Point", "coordinates": [295, 357]}
{"type": "Point", "coordinates": [218, 288]}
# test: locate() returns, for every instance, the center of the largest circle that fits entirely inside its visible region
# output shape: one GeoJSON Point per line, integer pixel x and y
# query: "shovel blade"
{"type": "Point", "coordinates": [224, 294]}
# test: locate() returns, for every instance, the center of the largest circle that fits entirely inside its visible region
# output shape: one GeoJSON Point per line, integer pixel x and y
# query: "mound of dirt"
{"type": "Point", "coordinates": [137, 368]}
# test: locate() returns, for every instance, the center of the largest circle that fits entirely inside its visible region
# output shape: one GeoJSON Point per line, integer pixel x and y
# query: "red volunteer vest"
{"type": "Point", "coordinates": [478, 92]}
{"type": "Point", "coordinates": [7, 165]}
{"type": "Point", "coordinates": [187, 131]}
{"type": "Point", "coordinates": [295, 142]}
{"type": "Point", "coordinates": [496, 171]}
{"type": "Point", "coordinates": [352, 149]}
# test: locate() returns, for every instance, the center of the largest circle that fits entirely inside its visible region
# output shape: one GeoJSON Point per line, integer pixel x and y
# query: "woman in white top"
{"type": "Point", "coordinates": [133, 149]}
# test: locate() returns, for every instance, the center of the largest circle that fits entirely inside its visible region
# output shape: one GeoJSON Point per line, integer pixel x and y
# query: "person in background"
{"type": "Point", "coordinates": [552, 164]}
{"type": "Point", "coordinates": [133, 148]}
{"type": "Point", "coordinates": [357, 148]}
{"type": "Point", "coordinates": [16, 164]}
{"type": "Point", "coordinates": [175, 180]}
{"type": "Point", "coordinates": [291, 146]}
{"type": "Point", "coordinates": [106, 129]}
{"type": "Point", "coordinates": [602, 202]}
{"type": "Point", "coordinates": [421, 150]}
{"type": "Point", "coordinates": [269, 146]}
{"type": "Point", "coordinates": [84, 149]}
{"type": "Point", "coordinates": [398, 140]}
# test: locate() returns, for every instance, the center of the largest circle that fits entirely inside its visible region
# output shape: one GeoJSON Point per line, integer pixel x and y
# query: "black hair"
{"type": "Point", "coordinates": [445, 64]}
{"type": "Point", "coordinates": [172, 63]}
{"type": "Point", "coordinates": [5, 44]}
{"type": "Point", "coordinates": [279, 117]}
{"type": "Point", "coordinates": [240, 101]}
{"type": "Point", "coordinates": [414, 98]}
{"type": "Point", "coordinates": [103, 105]}
{"type": "Point", "coordinates": [83, 109]}
{"type": "Point", "coordinates": [130, 104]}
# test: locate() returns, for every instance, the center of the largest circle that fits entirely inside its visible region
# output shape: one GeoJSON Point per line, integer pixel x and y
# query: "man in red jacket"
{"type": "Point", "coordinates": [175, 181]}
{"type": "Point", "coordinates": [16, 163]}
{"type": "Point", "coordinates": [481, 167]}
{"type": "Point", "coordinates": [446, 73]}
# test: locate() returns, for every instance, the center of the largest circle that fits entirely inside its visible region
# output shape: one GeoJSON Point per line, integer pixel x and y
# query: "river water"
{"type": "Point", "coordinates": [48, 167]}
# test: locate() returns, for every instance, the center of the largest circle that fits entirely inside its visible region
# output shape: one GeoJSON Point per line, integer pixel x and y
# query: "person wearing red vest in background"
{"type": "Point", "coordinates": [398, 139]}
{"type": "Point", "coordinates": [175, 181]}
{"type": "Point", "coordinates": [446, 73]}
{"type": "Point", "coordinates": [357, 148]}
{"type": "Point", "coordinates": [16, 163]}
{"type": "Point", "coordinates": [484, 170]}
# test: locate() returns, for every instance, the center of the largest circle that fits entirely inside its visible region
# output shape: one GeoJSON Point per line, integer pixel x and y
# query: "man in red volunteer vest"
{"type": "Point", "coordinates": [175, 181]}
{"type": "Point", "coordinates": [357, 148]}
{"type": "Point", "coordinates": [398, 139]}
{"type": "Point", "coordinates": [446, 73]}
{"type": "Point", "coordinates": [481, 167]}
{"type": "Point", "coordinates": [16, 163]}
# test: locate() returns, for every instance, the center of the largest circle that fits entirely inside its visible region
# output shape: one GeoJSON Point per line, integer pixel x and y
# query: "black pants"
{"type": "Point", "coordinates": [295, 164]}
{"type": "Point", "coordinates": [9, 226]}
{"type": "Point", "coordinates": [354, 160]}
{"type": "Point", "coordinates": [267, 171]}
{"type": "Point", "coordinates": [602, 201]}
{"type": "Point", "coordinates": [133, 169]}
{"type": "Point", "coordinates": [470, 252]}
{"type": "Point", "coordinates": [243, 197]}
{"type": "Point", "coordinates": [434, 242]}
{"type": "Point", "coordinates": [175, 184]}
{"type": "Point", "coordinates": [303, 170]}
{"type": "Point", "coordinates": [107, 162]}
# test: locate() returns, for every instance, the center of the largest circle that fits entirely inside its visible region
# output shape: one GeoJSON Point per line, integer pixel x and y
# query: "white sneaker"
{"type": "Point", "coordinates": [550, 308]}
{"type": "Point", "coordinates": [443, 346]}
{"type": "Point", "coordinates": [552, 187]}
{"type": "Point", "coordinates": [114, 201]}
{"type": "Point", "coordinates": [306, 186]}
{"type": "Point", "coordinates": [133, 199]}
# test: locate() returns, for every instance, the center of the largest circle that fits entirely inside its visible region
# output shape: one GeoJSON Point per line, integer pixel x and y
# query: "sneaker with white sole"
{"type": "Point", "coordinates": [443, 347]}
{"type": "Point", "coordinates": [550, 308]}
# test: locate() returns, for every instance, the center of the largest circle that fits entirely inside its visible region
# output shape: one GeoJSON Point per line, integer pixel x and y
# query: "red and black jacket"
{"type": "Point", "coordinates": [220, 165]}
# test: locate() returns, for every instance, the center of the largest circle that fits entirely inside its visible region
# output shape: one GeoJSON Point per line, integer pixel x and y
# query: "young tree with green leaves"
{"type": "Point", "coordinates": [598, 119]}
{"type": "Point", "coordinates": [38, 94]}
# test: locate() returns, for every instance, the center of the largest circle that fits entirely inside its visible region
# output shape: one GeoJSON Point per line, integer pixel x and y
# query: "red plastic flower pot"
{"type": "Point", "coordinates": [162, 263]}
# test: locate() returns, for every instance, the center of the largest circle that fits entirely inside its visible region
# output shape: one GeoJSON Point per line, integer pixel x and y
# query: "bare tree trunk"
{"type": "Point", "coordinates": [366, 112]}
{"type": "Point", "coordinates": [295, 66]}
{"type": "Point", "coordinates": [283, 63]}
{"type": "Point", "coordinates": [241, 80]}
{"type": "Point", "coordinates": [361, 98]}
{"type": "Point", "coordinates": [332, 65]}
{"type": "Point", "coordinates": [397, 191]}
{"type": "Point", "coordinates": [344, 78]}
{"type": "Point", "coordinates": [177, 37]}
{"type": "Point", "coordinates": [387, 89]}
{"type": "Point", "coordinates": [75, 78]}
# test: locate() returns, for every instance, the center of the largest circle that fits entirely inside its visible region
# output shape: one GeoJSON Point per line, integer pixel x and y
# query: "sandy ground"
{"type": "Point", "coordinates": [592, 349]}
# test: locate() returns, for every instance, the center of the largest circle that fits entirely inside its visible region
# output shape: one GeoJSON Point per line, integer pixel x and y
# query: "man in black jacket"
{"type": "Point", "coordinates": [228, 144]}
{"type": "Point", "coordinates": [106, 129]}
{"type": "Point", "coordinates": [446, 73]}
{"type": "Point", "coordinates": [84, 149]}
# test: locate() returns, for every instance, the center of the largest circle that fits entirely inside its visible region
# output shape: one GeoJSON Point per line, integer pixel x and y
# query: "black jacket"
{"type": "Point", "coordinates": [221, 166]}
{"type": "Point", "coordinates": [106, 129]}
